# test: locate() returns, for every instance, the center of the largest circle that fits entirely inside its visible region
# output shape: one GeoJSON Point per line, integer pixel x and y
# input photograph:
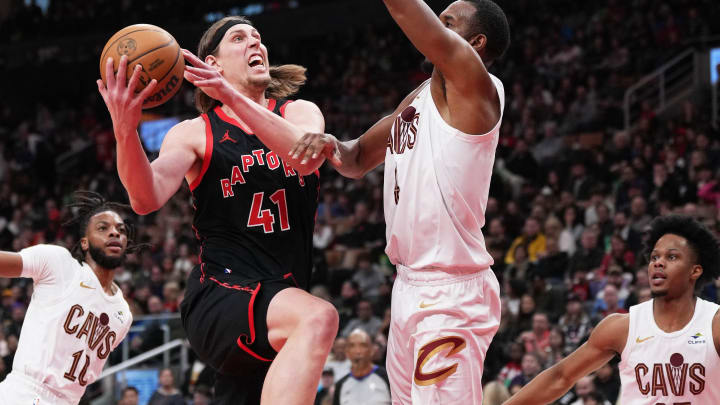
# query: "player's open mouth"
{"type": "Point", "coordinates": [256, 62]}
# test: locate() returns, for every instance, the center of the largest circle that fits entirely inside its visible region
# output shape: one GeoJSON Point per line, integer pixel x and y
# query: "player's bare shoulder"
{"type": "Point", "coordinates": [612, 332]}
{"type": "Point", "coordinates": [188, 133]}
{"type": "Point", "coordinates": [305, 114]}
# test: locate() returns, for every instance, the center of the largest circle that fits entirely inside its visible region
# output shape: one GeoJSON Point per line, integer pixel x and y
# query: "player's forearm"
{"type": "Point", "coordinates": [543, 389]}
{"type": "Point", "coordinates": [136, 174]}
{"type": "Point", "coordinates": [422, 27]}
{"type": "Point", "coordinates": [275, 132]}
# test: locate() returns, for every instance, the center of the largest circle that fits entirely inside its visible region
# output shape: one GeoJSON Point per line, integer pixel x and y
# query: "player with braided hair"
{"type": "Point", "coordinates": [77, 315]}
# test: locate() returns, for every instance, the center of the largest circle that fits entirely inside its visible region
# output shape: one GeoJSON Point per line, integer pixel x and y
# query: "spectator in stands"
{"type": "Point", "coordinates": [531, 237]}
{"type": "Point", "coordinates": [201, 396]}
{"type": "Point", "coordinates": [611, 302]}
{"type": "Point", "coordinates": [366, 383]}
{"type": "Point", "coordinates": [639, 218]}
{"type": "Point", "coordinates": [588, 256]}
{"type": "Point", "coordinates": [494, 393]}
{"type": "Point", "coordinates": [368, 277]}
{"type": "Point", "coordinates": [337, 360]}
{"type": "Point", "coordinates": [365, 320]}
{"type": "Point", "coordinates": [513, 367]}
{"type": "Point", "coordinates": [607, 381]}
{"type": "Point", "coordinates": [129, 396]}
{"type": "Point", "coordinates": [326, 387]}
{"type": "Point", "coordinates": [347, 301]}
{"type": "Point", "coordinates": [537, 340]}
{"type": "Point", "coordinates": [556, 349]}
{"type": "Point", "coordinates": [584, 388]}
{"type": "Point", "coordinates": [575, 323]}
{"type": "Point", "coordinates": [167, 393]}
{"type": "Point", "coordinates": [531, 366]}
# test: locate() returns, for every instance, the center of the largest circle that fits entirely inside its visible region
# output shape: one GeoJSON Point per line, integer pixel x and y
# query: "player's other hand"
{"type": "Point", "coordinates": [207, 78]}
{"type": "Point", "coordinates": [121, 99]}
{"type": "Point", "coordinates": [313, 145]}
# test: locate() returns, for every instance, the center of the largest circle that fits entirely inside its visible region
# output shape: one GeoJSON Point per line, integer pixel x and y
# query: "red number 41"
{"type": "Point", "coordinates": [264, 217]}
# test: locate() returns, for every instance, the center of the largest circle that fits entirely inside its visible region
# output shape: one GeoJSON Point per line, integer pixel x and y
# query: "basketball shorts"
{"type": "Point", "coordinates": [225, 318]}
{"type": "Point", "coordinates": [18, 389]}
{"type": "Point", "coordinates": [442, 324]}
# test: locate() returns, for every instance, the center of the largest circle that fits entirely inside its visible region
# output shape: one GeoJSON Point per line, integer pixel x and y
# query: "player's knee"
{"type": "Point", "coordinates": [323, 322]}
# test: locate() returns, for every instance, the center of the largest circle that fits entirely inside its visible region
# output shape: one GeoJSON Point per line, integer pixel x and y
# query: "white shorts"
{"type": "Point", "coordinates": [442, 325]}
{"type": "Point", "coordinates": [18, 389]}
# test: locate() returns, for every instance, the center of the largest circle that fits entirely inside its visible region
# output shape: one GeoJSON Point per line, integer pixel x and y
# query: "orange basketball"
{"type": "Point", "coordinates": [156, 51]}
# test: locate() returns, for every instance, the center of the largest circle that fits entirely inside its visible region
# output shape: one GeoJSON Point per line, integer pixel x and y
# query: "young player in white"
{"type": "Point", "coordinates": [438, 148]}
{"type": "Point", "coordinates": [669, 346]}
{"type": "Point", "coordinates": [77, 315]}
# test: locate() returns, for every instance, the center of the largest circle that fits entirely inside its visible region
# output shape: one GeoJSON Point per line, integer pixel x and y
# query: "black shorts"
{"type": "Point", "coordinates": [225, 318]}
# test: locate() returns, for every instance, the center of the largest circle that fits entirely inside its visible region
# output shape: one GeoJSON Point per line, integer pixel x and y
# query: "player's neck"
{"type": "Point", "coordinates": [673, 314]}
{"type": "Point", "coordinates": [103, 275]}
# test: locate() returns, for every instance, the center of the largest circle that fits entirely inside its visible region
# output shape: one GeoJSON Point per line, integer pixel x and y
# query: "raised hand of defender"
{"type": "Point", "coordinates": [207, 78]}
{"type": "Point", "coordinates": [312, 145]}
{"type": "Point", "coordinates": [124, 105]}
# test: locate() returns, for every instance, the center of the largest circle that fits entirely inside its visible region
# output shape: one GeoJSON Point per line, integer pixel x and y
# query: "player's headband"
{"type": "Point", "coordinates": [220, 33]}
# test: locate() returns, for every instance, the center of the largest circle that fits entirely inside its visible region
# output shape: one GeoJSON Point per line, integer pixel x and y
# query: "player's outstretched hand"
{"type": "Point", "coordinates": [207, 78]}
{"type": "Point", "coordinates": [312, 145]}
{"type": "Point", "coordinates": [123, 103]}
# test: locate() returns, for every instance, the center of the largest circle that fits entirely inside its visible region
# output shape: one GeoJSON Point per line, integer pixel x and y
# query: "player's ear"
{"type": "Point", "coordinates": [696, 272]}
{"type": "Point", "coordinates": [213, 61]}
{"type": "Point", "coordinates": [84, 244]}
{"type": "Point", "coordinates": [478, 42]}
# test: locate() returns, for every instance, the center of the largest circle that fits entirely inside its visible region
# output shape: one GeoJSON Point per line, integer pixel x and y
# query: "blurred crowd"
{"type": "Point", "coordinates": [571, 197]}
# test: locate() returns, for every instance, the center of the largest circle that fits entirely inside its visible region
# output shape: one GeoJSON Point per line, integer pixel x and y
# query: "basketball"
{"type": "Point", "coordinates": [156, 51]}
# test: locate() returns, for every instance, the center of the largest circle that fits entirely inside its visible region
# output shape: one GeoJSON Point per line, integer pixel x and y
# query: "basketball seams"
{"type": "Point", "coordinates": [177, 57]}
{"type": "Point", "coordinates": [112, 44]}
{"type": "Point", "coordinates": [168, 75]}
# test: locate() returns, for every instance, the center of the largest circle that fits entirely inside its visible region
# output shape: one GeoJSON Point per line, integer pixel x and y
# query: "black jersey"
{"type": "Point", "coordinates": [254, 215]}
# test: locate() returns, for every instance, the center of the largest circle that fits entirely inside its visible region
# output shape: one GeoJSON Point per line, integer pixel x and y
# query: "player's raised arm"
{"type": "Point", "coordinates": [449, 42]}
{"type": "Point", "coordinates": [149, 186]}
{"type": "Point", "coordinates": [10, 264]}
{"type": "Point", "coordinates": [607, 339]}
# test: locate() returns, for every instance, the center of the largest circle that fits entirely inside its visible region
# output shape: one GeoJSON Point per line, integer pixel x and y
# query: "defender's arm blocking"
{"type": "Point", "coordinates": [452, 54]}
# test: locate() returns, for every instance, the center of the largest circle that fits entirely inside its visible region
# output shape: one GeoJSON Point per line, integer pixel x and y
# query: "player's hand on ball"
{"type": "Point", "coordinates": [124, 105]}
{"type": "Point", "coordinates": [207, 78]}
{"type": "Point", "coordinates": [312, 145]}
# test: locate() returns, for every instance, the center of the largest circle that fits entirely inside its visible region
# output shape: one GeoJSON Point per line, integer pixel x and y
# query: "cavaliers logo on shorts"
{"type": "Point", "coordinates": [454, 343]}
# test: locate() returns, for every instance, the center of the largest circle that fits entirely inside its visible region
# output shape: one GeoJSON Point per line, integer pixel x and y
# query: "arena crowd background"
{"type": "Point", "coordinates": [572, 193]}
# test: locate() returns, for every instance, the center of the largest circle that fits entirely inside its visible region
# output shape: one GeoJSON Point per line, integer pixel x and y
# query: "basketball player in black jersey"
{"type": "Point", "coordinates": [246, 310]}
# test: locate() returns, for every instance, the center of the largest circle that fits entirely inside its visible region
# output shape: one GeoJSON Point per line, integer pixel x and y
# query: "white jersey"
{"type": "Point", "coordinates": [437, 181]}
{"type": "Point", "coordinates": [681, 367]}
{"type": "Point", "coordinates": [70, 327]}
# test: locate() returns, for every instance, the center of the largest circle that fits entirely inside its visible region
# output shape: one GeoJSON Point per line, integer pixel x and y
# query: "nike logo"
{"type": "Point", "coordinates": [423, 305]}
{"type": "Point", "coordinates": [227, 137]}
{"type": "Point", "coordinates": [638, 340]}
{"type": "Point", "coordinates": [83, 285]}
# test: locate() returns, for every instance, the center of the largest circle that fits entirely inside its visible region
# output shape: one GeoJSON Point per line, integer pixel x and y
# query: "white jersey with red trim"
{"type": "Point", "coordinates": [70, 328]}
{"type": "Point", "coordinates": [681, 367]}
{"type": "Point", "coordinates": [436, 188]}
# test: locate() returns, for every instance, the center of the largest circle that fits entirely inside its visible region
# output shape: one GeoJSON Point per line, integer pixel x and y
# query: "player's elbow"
{"type": "Point", "coordinates": [142, 207]}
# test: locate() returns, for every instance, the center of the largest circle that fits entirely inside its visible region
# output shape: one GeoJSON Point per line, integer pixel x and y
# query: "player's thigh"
{"type": "Point", "coordinates": [449, 366]}
{"type": "Point", "coordinates": [293, 309]}
{"type": "Point", "coordinates": [451, 339]}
